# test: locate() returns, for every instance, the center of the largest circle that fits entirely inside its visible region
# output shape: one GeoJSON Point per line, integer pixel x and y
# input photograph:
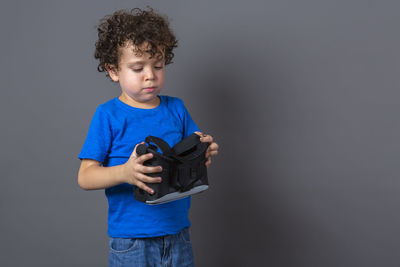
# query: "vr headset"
{"type": "Point", "coordinates": [183, 169]}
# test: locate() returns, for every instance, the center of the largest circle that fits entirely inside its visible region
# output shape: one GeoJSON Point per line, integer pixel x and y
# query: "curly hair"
{"type": "Point", "coordinates": [137, 27]}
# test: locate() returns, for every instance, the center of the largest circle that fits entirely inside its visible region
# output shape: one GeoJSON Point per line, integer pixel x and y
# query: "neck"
{"type": "Point", "coordinates": [144, 105]}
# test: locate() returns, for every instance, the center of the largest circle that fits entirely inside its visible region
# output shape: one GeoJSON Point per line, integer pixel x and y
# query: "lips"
{"type": "Point", "coordinates": [149, 89]}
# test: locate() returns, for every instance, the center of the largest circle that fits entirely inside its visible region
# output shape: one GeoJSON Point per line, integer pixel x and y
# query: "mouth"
{"type": "Point", "coordinates": [149, 89]}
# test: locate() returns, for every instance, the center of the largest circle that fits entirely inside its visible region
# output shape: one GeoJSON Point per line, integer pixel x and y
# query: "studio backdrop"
{"type": "Point", "coordinates": [301, 96]}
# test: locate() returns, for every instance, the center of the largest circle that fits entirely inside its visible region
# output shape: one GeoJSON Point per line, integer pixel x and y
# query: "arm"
{"type": "Point", "coordinates": [93, 176]}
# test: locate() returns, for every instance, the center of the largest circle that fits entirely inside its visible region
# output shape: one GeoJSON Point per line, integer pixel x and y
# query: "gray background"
{"type": "Point", "coordinates": [301, 96]}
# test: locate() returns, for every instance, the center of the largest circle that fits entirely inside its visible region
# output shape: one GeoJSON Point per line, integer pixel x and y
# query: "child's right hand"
{"type": "Point", "coordinates": [134, 171]}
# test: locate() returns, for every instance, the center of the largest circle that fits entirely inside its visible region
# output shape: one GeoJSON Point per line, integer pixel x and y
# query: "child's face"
{"type": "Point", "coordinates": [141, 78]}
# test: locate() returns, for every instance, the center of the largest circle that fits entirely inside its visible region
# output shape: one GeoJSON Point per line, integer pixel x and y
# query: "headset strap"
{"type": "Point", "coordinates": [164, 146]}
{"type": "Point", "coordinates": [186, 144]}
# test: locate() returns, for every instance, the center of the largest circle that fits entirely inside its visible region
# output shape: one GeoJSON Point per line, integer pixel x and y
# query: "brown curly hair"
{"type": "Point", "coordinates": [134, 26]}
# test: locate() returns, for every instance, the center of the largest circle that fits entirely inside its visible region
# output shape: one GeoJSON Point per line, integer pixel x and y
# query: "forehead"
{"type": "Point", "coordinates": [130, 53]}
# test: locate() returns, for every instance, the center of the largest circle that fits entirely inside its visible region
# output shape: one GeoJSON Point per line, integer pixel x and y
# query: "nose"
{"type": "Point", "coordinates": [149, 74]}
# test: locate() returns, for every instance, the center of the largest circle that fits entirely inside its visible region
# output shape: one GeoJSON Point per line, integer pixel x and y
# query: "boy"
{"type": "Point", "coordinates": [133, 48]}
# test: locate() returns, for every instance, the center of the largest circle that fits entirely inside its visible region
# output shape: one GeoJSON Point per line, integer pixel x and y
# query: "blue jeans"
{"type": "Point", "coordinates": [169, 250]}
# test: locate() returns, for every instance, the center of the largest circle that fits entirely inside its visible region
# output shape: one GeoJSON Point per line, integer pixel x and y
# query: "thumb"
{"type": "Point", "coordinates": [134, 154]}
{"type": "Point", "coordinates": [199, 133]}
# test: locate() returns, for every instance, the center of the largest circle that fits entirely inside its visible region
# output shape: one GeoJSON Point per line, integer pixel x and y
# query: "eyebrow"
{"type": "Point", "coordinates": [130, 64]}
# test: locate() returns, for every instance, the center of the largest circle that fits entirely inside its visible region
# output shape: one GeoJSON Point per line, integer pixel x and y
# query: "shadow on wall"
{"type": "Point", "coordinates": [246, 220]}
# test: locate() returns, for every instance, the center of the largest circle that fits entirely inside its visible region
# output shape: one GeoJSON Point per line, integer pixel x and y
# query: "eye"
{"type": "Point", "coordinates": [158, 67]}
{"type": "Point", "coordinates": [137, 70]}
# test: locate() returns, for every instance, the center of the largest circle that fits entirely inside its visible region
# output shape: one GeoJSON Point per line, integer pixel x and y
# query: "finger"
{"type": "Point", "coordinates": [211, 149]}
{"type": "Point", "coordinates": [146, 169]}
{"type": "Point", "coordinates": [213, 146]}
{"type": "Point", "coordinates": [145, 187]}
{"type": "Point", "coordinates": [211, 153]}
{"type": "Point", "coordinates": [148, 179]}
{"type": "Point", "coordinates": [206, 139]}
{"type": "Point", "coordinates": [214, 153]}
{"type": "Point", "coordinates": [144, 158]}
{"type": "Point", "coordinates": [208, 162]}
{"type": "Point", "coordinates": [199, 133]}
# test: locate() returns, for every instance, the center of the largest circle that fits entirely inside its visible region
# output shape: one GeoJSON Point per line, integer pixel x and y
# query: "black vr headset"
{"type": "Point", "coordinates": [183, 169]}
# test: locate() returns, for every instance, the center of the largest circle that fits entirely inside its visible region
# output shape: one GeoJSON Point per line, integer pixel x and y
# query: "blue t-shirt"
{"type": "Point", "coordinates": [115, 130]}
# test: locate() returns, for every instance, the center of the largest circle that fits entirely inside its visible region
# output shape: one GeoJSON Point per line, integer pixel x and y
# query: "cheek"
{"type": "Point", "coordinates": [131, 80]}
{"type": "Point", "coordinates": [161, 77]}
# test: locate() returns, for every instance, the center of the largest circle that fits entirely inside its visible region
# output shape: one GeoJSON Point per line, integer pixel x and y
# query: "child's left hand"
{"type": "Point", "coordinates": [212, 148]}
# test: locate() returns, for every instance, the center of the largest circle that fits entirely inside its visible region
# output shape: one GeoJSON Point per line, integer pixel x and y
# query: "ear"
{"type": "Point", "coordinates": [112, 71]}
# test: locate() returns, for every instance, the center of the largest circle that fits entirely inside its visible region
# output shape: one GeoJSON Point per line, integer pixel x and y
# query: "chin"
{"type": "Point", "coordinates": [150, 98]}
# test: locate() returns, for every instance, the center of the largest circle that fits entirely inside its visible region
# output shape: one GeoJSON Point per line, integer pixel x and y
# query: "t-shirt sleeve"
{"type": "Point", "coordinates": [189, 125]}
{"type": "Point", "coordinates": [98, 140]}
